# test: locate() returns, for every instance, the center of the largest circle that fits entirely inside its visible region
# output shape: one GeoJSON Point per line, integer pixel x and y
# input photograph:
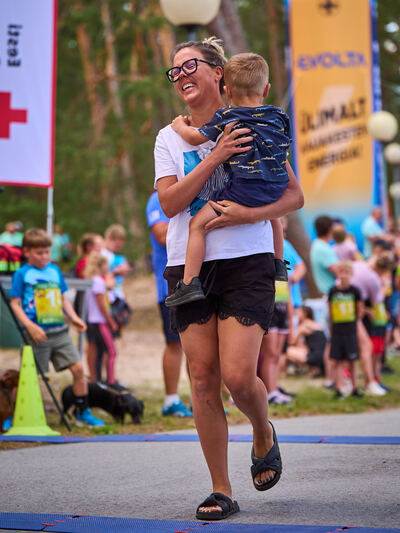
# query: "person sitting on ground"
{"type": "Point", "coordinates": [308, 345]}
{"type": "Point", "coordinates": [346, 308]}
{"type": "Point", "coordinates": [39, 302]}
{"type": "Point", "coordinates": [258, 177]}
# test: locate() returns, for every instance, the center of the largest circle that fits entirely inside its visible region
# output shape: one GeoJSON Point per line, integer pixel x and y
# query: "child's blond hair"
{"type": "Point", "coordinates": [94, 265]}
{"type": "Point", "coordinates": [345, 264]}
{"type": "Point", "coordinates": [36, 238]}
{"type": "Point", "coordinates": [115, 232]}
{"type": "Point", "coordinates": [246, 75]}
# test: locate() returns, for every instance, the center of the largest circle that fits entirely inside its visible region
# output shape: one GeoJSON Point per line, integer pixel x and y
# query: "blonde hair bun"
{"type": "Point", "coordinates": [215, 43]}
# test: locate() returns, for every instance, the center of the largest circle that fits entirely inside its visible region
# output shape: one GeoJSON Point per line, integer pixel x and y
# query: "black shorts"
{"type": "Point", "coordinates": [315, 358]}
{"type": "Point", "coordinates": [344, 347]}
{"type": "Point", "coordinates": [242, 287]}
{"type": "Point", "coordinates": [279, 320]}
{"type": "Point", "coordinates": [169, 334]}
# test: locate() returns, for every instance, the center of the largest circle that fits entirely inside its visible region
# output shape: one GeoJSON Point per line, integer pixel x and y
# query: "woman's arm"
{"type": "Point", "coordinates": [233, 214]}
{"type": "Point", "coordinates": [176, 195]}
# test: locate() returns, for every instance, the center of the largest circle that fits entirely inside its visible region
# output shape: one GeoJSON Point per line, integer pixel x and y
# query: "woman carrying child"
{"type": "Point", "coordinates": [221, 334]}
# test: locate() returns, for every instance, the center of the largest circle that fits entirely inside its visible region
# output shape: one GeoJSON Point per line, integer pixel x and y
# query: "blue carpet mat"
{"type": "Point", "coordinates": [98, 524]}
{"type": "Point", "coordinates": [166, 437]}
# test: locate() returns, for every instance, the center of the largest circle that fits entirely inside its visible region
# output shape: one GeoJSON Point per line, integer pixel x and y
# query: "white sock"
{"type": "Point", "coordinates": [273, 394]}
{"type": "Point", "coordinates": [170, 399]}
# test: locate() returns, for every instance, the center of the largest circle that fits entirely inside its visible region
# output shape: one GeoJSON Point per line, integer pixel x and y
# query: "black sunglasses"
{"type": "Point", "coordinates": [189, 67]}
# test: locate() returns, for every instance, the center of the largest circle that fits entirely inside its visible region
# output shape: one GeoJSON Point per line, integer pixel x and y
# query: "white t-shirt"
{"type": "Point", "coordinates": [175, 157]}
{"type": "Point", "coordinates": [94, 315]}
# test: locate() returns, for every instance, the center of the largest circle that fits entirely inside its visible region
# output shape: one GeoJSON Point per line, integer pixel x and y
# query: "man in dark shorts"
{"type": "Point", "coordinates": [345, 308]}
{"type": "Point", "coordinates": [172, 357]}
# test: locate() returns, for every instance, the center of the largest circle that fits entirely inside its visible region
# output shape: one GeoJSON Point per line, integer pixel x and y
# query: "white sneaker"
{"type": "Point", "coordinates": [279, 399]}
{"type": "Point", "coordinates": [374, 389]}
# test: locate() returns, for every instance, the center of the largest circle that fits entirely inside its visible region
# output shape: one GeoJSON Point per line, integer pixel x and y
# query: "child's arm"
{"type": "Point", "coordinates": [75, 319]}
{"type": "Point", "coordinates": [35, 331]}
{"type": "Point", "coordinates": [189, 134]}
{"type": "Point", "coordinates": [105, 312]}
{"type": "Point", "coordinates": [360, 309]}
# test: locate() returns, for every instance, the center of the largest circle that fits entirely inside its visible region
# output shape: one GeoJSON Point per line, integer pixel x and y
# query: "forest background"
{"type": "Point", "coordinates": [113, 97]}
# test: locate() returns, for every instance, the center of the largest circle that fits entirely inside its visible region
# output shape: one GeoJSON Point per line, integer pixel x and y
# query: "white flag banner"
{"type": "Point", "coordinates": [27, 91]}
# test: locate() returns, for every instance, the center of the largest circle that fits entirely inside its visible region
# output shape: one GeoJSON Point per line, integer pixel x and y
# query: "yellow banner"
{"type": "Point", "coordinates": [331, 75]}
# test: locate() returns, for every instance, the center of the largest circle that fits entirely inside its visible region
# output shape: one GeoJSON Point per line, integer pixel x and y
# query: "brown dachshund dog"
{"type": "Point", "coordinates": [8, 389]}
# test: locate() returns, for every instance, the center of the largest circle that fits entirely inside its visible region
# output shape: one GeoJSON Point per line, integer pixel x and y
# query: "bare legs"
{"type": "Point", "coordinates": [172, 360]}
{"type": "Point", "coordinates": [236, 363]}
{"type": "Point", "coordinates": [271, 350]}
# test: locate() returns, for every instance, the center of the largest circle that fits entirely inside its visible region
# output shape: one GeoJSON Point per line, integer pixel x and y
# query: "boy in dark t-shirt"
{"type": "Point", "coordinates": [345, 308]}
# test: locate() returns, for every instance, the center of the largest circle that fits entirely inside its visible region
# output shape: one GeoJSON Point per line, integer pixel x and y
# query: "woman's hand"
{"type": "Point", "coordinates": [232, 214]}
{"type": "Point", "coordinates": [230, 143]}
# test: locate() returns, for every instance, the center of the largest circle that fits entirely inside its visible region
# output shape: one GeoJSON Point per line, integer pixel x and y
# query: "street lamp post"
{"type": "Point", "coordinates": [383, 127]}
{"type": "Point", "coordinates": [392, 156]}
{"type": "Point", "coordinates": [190, 13]}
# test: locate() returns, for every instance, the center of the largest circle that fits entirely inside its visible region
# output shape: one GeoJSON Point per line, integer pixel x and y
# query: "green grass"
{"type": "Point", "coordinates": [312, 399]}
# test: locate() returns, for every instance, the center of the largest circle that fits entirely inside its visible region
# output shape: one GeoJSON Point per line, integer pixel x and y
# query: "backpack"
{"type": "Point", "coordinates": [10, 258]}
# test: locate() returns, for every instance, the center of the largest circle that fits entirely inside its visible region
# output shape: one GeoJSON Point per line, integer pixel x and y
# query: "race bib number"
{"type": "Point", "coordinates": [48, 302]}
{"type": "Point", "coordinates": [380, 318]}
{"type": "Point", "coordinates": [281, 291]}
{"type": "Point", "coordinates": [343, 309]}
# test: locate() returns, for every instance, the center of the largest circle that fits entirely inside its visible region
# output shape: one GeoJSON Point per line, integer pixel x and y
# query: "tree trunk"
{"type": "Point", "coordinates": [127, 192]}
{"type": "Point", "coordinates": [91, 77]}
{"type": "Point", "coordinates": [297, 236]}
{"type": "Point", "coordinates": [227, 26]}
{"type": "Point", "coordinates": [276, 57]}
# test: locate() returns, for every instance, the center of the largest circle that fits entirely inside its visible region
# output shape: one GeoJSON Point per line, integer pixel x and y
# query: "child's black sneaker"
{"type": "Point", "coordinates": [183, 294]}
{"type": "Point", "coordinates": [281, 270]}
{"type": "Point", "coordinates": [357, 394]}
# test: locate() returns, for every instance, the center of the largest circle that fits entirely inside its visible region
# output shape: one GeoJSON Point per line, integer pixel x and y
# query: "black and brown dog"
{"type": "Point", "coordinates": [113, 398]}
{"type": "Point", "coordinates": [8, 389]}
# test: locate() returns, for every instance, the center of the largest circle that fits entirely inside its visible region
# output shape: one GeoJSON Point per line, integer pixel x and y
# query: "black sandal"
{"type": "Point", "coordinates": [228, 507]}
{"type": "Point", "coordinates": [272, 461]}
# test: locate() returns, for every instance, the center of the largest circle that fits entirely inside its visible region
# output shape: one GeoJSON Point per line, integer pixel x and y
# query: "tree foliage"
{"type": "Point", "coordinates": [113, 97]}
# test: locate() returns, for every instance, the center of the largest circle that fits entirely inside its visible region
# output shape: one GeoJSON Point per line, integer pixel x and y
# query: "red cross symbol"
{"type": "Point", "coordinates": [8, 115]}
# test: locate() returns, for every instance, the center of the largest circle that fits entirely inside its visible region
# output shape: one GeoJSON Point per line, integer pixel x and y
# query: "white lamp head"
{"type": "Point", "coordinates": [394, 190]}
{"type": "Point", "coordinates": [392, 153]}
{"type": "Point", "coordinates": [382, 125]}
{"type": "Point", "coordinates": [190, 12]}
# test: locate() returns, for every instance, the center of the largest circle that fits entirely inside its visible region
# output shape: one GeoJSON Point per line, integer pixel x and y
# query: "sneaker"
{"type": "Point", "coordinates": [338, 395]}
{"type": "Point", "coordinates": [7, 424]}
{"type": "Point", "coordinates": [87, 419]}
{"type": "Point", "coordinates": [280, 399]}
{"type": "Point", "coordinates": [281, 270]}
{"type": "Point", "coordinates": [183, 294]}
{"type": "Point", "coordinates": [384, 387]}
{"type": "Point", "coordinates": [176, 409]}
{"type": "Point", "coordinates": [286, 393]}
{"type": "Point", "coordinates": [357, 394]}
{"type": "Point", "coordinates": [386, 369]}
{"type": "Point", "coordinates": [374, 389]}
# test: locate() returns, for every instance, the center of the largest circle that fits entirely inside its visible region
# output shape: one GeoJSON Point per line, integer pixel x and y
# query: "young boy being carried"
{"type": "Point", "coordinates": [256, 177]}
{"type": "Point", "coordinates": [346, 308]}
{"type": "Point", "coordinates": [38, 301]}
